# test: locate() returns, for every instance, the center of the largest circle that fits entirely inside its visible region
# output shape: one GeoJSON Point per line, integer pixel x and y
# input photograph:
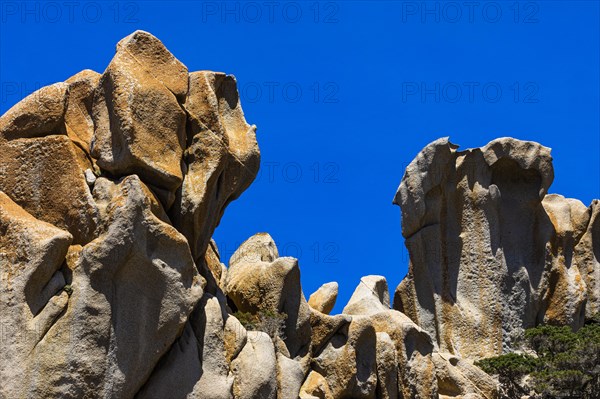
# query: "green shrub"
{"type": "Point", "coordinates": [562, 363]}
{"type": "Point", "coordinates": [270, 322]}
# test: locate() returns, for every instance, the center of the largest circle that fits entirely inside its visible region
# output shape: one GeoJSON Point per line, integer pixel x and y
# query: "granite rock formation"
{"type": "Point", "coordinates": [492, 254]}
{"type": "Point", "coordinates": [112, 184]}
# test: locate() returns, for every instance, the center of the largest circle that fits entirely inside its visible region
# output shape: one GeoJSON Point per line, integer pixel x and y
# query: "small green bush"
{"type": "Point", "coordinates": [270, 322]}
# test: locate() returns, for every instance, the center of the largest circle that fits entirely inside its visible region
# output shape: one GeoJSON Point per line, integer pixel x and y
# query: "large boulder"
{"type": "Point", "coordinates": [222, 157]}
{"type": "Point", "coordinates": [323, 299]}
{"type": "Point", "coordinates": [46, 176]}
{"type": "Point", "coordinates": [258, 280]}
{"type": "Point", "coordinates": [255, 368]}
{"type": "Point", "coordinates": [39, 114]}
{"type": "Point", "coordinates": [132, 288]}
{"type": "Point", "coordinates": [139, 126]}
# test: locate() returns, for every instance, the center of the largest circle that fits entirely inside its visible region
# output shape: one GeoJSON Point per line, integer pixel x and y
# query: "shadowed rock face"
{"type": "Point", "coordinates": [490, 253]}
{"type": "Point", "coordinates": [111, 186]}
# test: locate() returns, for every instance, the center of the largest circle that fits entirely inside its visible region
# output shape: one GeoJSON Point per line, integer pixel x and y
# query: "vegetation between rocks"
{"type": "Point", "coordinates": [268, 321]}
{"type": "Point", "coordinates": [555, 363]}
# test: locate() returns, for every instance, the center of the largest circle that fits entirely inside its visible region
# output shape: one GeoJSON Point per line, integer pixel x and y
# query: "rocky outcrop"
{"type": "Point", "coordinates": [324, 298]}
{"type": "Point", "coordinates": [98, 285]}
{"type": "Point", "coordinates": [112, 184]}
{"type": "Point", "coordinates": [490, 253]}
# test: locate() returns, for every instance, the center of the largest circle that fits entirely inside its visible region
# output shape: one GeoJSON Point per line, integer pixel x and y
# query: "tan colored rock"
{"type": "Point", "coordinates": [415, 370]}
{"type": "Point", "coordinates": [258, 248]}
{"type": "Point", "coordinates": [139, 127]}
{"type": "Point", "coordinates": [132, 291]}
{"type": "Point", "coordinates": [117, 313]}
{"type": "Point", "coordinates": [323, 299]}
{"type": "Point", "coordinates": [324, 326]}
{"type": "Point", "coordinates": [387, 367]}
{"type": "Point", "coordinates": [290, 377]}
{"type": "Point", "coordinates": [111, 187]}
{"type": "Point", "coordinates": [566, 294]}
{"type": "Point", "coordinates": [44, 175]}
{"type": "Point", "coordinates": [31, 290]}
{"type": "Point", "coordinates": [371, 296]}
{"type": "Point", "coordinates": [348, 361]}
{"type": "Point", "coordinates": [78, 121]}
{"type": "Point", "coordinates": [488, 257]}
{"type": "Point", "coordinates": [222, 157]}
{"type": "Point", "coordinates": [587, 256]}
{"type": "Point", "coordinates": [235, 337]}
{"type": "Point", "coordinates": [255, 368]}
{"type": "Point", "coordinates": [177, 372]}
{"type": "Point", "coordinates": [197, 365]}
{"type": "Point", "coordinates": [272, 285]}
{"type": "Point", "coordinates": [157, 61]}
{"type": "Point", "coordinates": [215, 380]}
{"type": "Point", "coordinates": [457, 377]}
{"type": "Point", "coordinates": [39, 114]}
{"type": "Point", "coordinates": [315, 387]}
{"type": "Point", "coordinates": [414, 347]}
{"type": "Point", "coordinates": [212, 269]}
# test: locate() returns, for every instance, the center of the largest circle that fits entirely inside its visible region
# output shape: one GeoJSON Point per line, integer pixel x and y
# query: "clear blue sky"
{"type": "Point", "coordinates": [344, 95]}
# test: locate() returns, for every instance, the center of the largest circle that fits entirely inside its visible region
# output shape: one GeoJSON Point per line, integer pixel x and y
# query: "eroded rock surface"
{"type": "Point", "coordinates": [490, 253]}
{"type": "Point", "coordinates": [111, 187]}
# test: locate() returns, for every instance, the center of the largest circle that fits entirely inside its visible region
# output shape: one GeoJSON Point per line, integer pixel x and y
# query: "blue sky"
{"type": "Point", "coordinates": [344, 95]}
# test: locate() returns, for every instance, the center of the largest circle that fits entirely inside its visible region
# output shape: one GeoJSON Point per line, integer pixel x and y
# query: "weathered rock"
{"type": "Point", "coordinates": [458, 378]}
{"type": "Point", "coordinates": [387, 367]}
{"type": "Point", "coordinates": [371, 296]}
{"type": "Point", "coordinates": [565, 296]}
{"type": "Point", "coordinates": [177, 373]}
{"type": "Point", "coordinates": [255, 368]}
{"type": "Point", "coordinates": [415, 373]}
{"type": "Point", "coordinates": [197, 366]}
{"type": "Point", "coordinates": [39, 114]}
{"type": "Point", "coordinates": [315, 386]}
{"type": "Point", "coordinates": [132, 291]}
{"type": "Point", "coordinates": [31, 290]}
{"type": "Point", "coordinates": [222, 157]}
{"type": "Point", "coordinates": [323, 327]}
{"type": "Point", "coordinates": [112, 185]}
{"type": "Point", "coordinates": [139, 127]}
{"type": "Point", "coordinates": [44, 175]}
{"type": "Point", "coordinates": [348, 361]}
{"type": "Point", "coordinates": [323, 299]}
{"type": "Point", "coordinates": [78, 121]}
{"type": "Point", "coordinates": [235, 337]}
{"type": "Point", "coordinates": [290, 377]}
{"type": "Point", "coordinates": [488, 257]}
{"type": "Point", "coordinates": [587, 254]}
{"type": "Point", "coordinates": [259, 281]}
